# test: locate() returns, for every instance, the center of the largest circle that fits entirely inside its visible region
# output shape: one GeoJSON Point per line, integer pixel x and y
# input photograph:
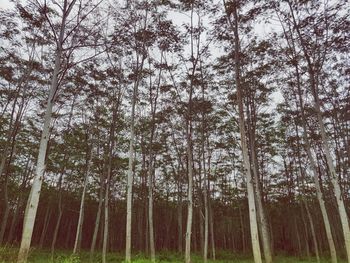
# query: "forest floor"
{"type": "Point", "coordinates": [9, 255]}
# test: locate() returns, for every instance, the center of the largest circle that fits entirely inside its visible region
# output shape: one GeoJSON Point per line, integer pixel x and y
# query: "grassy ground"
{"type": "Point", "coordinates": [8, 255]}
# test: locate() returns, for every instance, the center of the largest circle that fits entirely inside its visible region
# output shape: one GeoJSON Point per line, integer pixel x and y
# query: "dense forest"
{"type": "Point", "coordinates": [188, 126]}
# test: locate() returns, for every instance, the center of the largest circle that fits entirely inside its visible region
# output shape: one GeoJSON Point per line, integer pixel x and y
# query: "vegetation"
{"type": "Point", "coordinates": [174, 130]}
{"type": "Point", "coordinates": [38, 256]}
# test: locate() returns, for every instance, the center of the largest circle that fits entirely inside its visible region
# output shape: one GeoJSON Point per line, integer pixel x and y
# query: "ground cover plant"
{"type": "Point", "coordinates": [9, 255]}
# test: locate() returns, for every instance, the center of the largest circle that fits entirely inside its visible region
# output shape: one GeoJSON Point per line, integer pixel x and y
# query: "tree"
{"type": "Point", "coordinates": [61, 36]}
{"type": "Point", "coordinates": [246, 161]}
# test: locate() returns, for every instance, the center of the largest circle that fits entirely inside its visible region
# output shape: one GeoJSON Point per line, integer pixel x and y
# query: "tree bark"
{"type": "Point", "coordinates": [313, 233]}
{"type": "Point", "coordinates": [109, 174]}
{"type": "Point", "coordinates": [250, 184]}
{"type": "Point", "coordinates": [263, 223]}
{"type": "Point", "coordinates": [78, 233]}
{"type": "Point", "coordinates": [60, 211]}
{"type": "Point", "coordinates": [98, 217]}
{"type": "Point", "coordinates": [319, 193]}
{"type": "Point", "coordinates": [179, 218]}
{"type": "Point", "coordinates": [211, 224]}
{"type": "Point", "coordinates": [45, 226]}
{"type": "Point", "coordinates": [33, 200]}
{"type": "Point", "coordinates": [130, 175]}
{"type": "Point", "coordinates": [150, 208]}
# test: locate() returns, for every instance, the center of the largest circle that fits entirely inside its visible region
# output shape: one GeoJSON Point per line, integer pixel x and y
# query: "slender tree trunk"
{"type": "Point", "coordinates": [109, 174]}
{"type": "Point", "coordinates": [150, 208]}
{"type": "Point", "coordinates": [206, 222]}
{"type": "Point", "coordinates": [153, 103]}
{"type": "Point", "coordinates": [319, 193]}
{"type": "Point", "coordinates": [263, 224]}
{"type": "Point", "coordinates": [106, 221]}
{"type": "Point", "coordinates": [60, 211]}
{"type": "Point", "coordinates": [297, 236]}
{"type": "Point", "coordinates": [189, 149]}
{"type": "Point", "coordinates": [7, 174]}
{"type": "Point", "coordinates": [317, 184]}
{"type": "Point", "coordinates": [179, 218]}
{"type": "Point", "coordinates": [14, 219]}
{"type": "Point", "coordinates": [313, 233]}
{"type": "Point", "coordinates": [201, 226]}
{"type": "Point", "coordinates": [33, 200]}
{"type": "Point", "coordinates": [45, 226]}
{"type": "Point", "coordinates": [205, 184]}
{"type": "Point", "coordinates": [189, 190]}
{"type": "Point", "coordinates": [6, 212]}
{"type": "Point", "coordinates": [26, 173]}
{"type": "Point", "coordinates": [68, 236]}
{"type": "Point", "coordinates": [78, 233]}
{"type": "Point", "coordinates": [98, 217]}
{"type": "Point", "coordinates": [250, 185]}
{"type": "Point", "coordinates": [147, 247]}
{"type": "Point", "coordinates": [189, 196]}
{"type": "Point", "coordinates": [130, 177]}
{"type": "Point", "coordinates": [242, 229]}
{"type": "Point", "coordinates": [211, 228]}
{"type": "Point", "coordinates": [307, 247]}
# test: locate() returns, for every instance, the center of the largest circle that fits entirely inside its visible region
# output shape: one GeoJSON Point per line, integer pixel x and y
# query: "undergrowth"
{"type": "Point", "coordinates": [9, 255]}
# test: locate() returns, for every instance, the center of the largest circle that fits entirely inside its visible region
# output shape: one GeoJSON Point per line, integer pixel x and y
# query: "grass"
{"type": "Point", "coordinates": [9, 255]}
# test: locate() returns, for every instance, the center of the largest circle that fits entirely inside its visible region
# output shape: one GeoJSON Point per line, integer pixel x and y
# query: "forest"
{"type": "Point", "coordinates": [174, 131]}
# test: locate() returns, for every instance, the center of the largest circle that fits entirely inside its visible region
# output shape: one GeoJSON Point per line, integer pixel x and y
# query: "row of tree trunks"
{"type": "Point", "coordinates": [313, 72]}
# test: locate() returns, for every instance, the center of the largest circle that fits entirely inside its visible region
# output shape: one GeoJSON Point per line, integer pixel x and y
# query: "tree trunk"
{"type": "Point", "coordinates": [33, 200]}
{"type": "Point", "coordinates": [325, 145]}
{"type": "Point", "coordinates": [205, 184]}
{"type": "Point", "coordinates": [26, 174]}
{"type": "Point", "coordinates": [334, 179]}
{"type": "Point", "coordinates": [313, 233]}
{"type": "Point", "coordinates": [189, 196]}
{"type": "Point", "coordinates": [297, 234]}
{"type": "Point", "coordinates": [109, 174]}
{"type": "Point", "coordinates": [60, 211]}
{"type": "Point", "coordinates": [6, 169]}
{"type": "Point", "coordinates": [78, 233]}
{"type": "Point", "coordinates": [130, 177]}
{"type": "Point", "coordinates": [319, 193]}
{"type": "Point", "coordinates": [153, 103]}
{"type": "Point", "coordinates": [106, 217]}
{"type": "Point", "coordinates": [150, 208]}
{"type": "Point", "coordinates": [6, 212]}
{"type": "Point", "coordinates": [14, 219]}
{"type": "Point", "coordinates": [206, 209]}
{"type": "Point", "coordinates": [263, 224]}
{"type": "Point", "coordinates": [211, 227]}
{"type": "Point", "coordinates": [307, 248]}
{"type": "Point", "coordinates": [250, 185]}
{"type": "Point", "coordinates": [98, 217]}
{"type": "Point", "coordinates": [179, 218]}
{"type": "Point", "coordinates": [190, 154]}
{"type": "Point", "coordinates": [45, 225]}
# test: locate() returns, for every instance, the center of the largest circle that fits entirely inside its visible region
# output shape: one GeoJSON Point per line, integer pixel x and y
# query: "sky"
{"type": "Point", "coordinates": [5, 4]}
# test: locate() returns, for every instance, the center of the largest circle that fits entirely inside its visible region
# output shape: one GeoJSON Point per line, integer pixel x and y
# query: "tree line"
{"type": "Point", "coordinates": [175, 125]}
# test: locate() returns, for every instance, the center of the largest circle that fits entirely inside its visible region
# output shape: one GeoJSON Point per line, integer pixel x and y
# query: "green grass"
{"type": "Point", "coordinates": [9, 255]}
